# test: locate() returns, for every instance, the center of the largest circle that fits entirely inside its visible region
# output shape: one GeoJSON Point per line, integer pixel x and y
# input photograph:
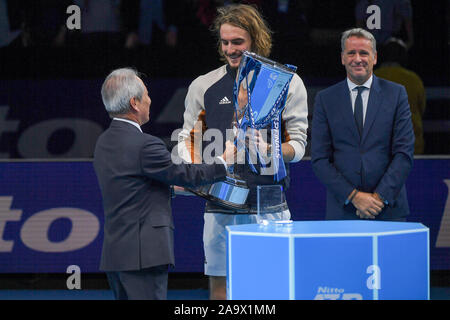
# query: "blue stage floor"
{"type": "Point", "coordinates": [198, 294]}
{"type": "Point", "coordinates": [437, 293]}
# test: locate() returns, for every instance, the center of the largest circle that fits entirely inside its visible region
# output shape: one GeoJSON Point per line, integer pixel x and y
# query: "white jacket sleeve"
{"type": "Point", "coordinates": [190, 137]}
{"type": "Point", "coordinates": [295, 117]}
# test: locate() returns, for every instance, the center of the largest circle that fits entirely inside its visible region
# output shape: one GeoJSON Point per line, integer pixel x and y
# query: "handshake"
{"type": "Point", "coordinates": [368, 205]}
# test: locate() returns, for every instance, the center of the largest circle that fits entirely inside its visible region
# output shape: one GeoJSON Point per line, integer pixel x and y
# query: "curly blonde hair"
{"type": "Point", "coordinates": [249, 19]}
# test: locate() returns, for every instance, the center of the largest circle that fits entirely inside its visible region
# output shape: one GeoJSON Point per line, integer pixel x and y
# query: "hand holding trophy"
{"type": "Point", "coordinates": [259, 93]}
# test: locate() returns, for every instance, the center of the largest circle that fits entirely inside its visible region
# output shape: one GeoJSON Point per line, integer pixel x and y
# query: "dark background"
{"type": "Point", "coordinates": [310, 40]}
{"type": "Point", "coordinates": [312, 45]}
{"type": "Point", "coordinates": [308, 37]}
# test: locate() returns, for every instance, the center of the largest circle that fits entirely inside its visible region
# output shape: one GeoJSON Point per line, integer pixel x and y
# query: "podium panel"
{"type": "Point", "coordinates": [323, 260]}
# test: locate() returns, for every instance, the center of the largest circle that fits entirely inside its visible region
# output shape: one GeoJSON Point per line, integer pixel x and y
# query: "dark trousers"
{"type": "Point", "coordinates": [144, 284]}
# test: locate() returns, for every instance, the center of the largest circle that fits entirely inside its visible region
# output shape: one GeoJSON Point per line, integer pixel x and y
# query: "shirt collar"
{"type": "Point", "coordinates": [366, 84]}
{"type": "Point", "coordinates": [130, 122]}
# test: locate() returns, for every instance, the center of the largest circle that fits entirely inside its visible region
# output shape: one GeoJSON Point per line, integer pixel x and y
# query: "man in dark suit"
{"type": "Point", "coordinates": [362, 138]}
{"type": "Point", "coordinates": [135, 171]}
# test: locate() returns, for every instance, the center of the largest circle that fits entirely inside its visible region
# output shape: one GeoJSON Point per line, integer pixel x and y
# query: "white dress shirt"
{"type": "Point", "coordinates": [130, 122]}
{"type": "Point", "coordinates": [364, 95]}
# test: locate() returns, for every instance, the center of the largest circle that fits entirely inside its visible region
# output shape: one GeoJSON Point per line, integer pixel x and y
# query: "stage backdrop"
{"type": "Point", "coordinates": [51, 214]}
{"type": "Point", "coordinates": [62, 119]}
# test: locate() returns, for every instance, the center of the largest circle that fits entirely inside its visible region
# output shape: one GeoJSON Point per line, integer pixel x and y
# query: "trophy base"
{"type": "Point", "coordinates": [231, 193]}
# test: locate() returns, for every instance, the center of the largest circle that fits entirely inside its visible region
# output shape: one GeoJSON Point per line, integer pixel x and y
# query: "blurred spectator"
{"type": "Point", "coordinates": [39, 23]}
{"type": "Point", "coordinates": [7, 34]}
{"type": "Point", "coordinates": [289, 24]}
{"type": "Point", "coordinates": [327, 19]}
{"type": "Point", "coordinates": [100, 23]}
{"type": "Point", "coordinates": [45, 22]}
{"type": "Point", "coordinates": [447, 20]}
{"type": "Point", "coordinates": [157, 22]}
{"type": "Point", "coordinates": [206, 10]}
{"type": "Point", "coordinates": [396, 20]}
{"type": "Point", "coordinates": [393, 69]}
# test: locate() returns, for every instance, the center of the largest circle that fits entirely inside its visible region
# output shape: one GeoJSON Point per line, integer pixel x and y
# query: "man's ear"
{"type": "Point", "coordinates": [133, 104]}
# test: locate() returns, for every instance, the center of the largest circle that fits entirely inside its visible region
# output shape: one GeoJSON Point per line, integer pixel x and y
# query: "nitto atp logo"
{"type": "Point", "coordinates": [327, 293]}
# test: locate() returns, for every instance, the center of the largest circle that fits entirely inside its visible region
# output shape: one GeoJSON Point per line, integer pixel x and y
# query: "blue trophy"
{"type": "Point", "coordinates": [266, 83]}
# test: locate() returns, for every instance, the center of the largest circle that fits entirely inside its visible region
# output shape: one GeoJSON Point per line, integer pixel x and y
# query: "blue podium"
{"type": "Point", "coordinates": [348, 260]}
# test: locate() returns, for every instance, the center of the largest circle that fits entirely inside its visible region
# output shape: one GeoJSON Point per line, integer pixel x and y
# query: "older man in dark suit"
{"type": "Point", "coordinates": [135, 172]}
{"type": "Point", "coordinates": [362, 138]}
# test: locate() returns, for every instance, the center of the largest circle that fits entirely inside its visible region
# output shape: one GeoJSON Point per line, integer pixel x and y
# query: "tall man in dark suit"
{"type": "Point", "coordinates": [135, 171]}
{"type": "Point", "coordinates": [362, 138]}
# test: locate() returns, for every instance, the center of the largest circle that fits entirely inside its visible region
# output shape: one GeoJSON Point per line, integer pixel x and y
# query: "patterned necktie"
{"type": "Point", "coordinates": [358, 113]}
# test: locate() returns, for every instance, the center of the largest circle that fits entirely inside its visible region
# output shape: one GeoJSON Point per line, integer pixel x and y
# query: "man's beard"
{"type": "Point", "coordinates": [234, 56]}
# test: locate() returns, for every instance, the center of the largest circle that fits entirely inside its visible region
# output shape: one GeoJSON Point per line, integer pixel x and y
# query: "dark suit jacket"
{"type": "Point", "coordinates": [135, 172]}
{"type": "Point", "coordinates": [379, 162]}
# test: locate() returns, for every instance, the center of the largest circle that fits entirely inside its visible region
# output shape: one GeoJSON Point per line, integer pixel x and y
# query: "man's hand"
{"type": "Point", "coordinates": [257, 142]}
{"type": "Point", "coordinates": [242, 97]}
{"type": "Point", "coordinates": [377, 196]}
{"type": "Point", "coordinates": [230, 153]}
{"type": "Point", "coordinates": [367, 205]}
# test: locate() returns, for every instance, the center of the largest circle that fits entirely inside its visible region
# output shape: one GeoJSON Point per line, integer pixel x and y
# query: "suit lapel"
{"type": "Point", "coordinates": [373, 105]}
{"type": "Point", "coordinates": [346, 110]}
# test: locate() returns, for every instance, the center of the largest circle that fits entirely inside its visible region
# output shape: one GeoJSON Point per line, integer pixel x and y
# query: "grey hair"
{"type": "Point", "coordinates": [118, 88]}
{"type": "Point", "coordinates": [358, 32]}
